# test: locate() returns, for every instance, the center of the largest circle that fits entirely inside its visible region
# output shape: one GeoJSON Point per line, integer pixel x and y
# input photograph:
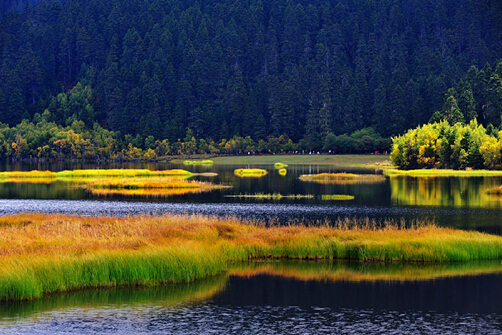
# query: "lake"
{"type": "Point", "coordinates": [280, 297]}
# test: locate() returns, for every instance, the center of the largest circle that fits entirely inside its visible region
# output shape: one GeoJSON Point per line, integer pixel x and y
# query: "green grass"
{"type": "Point", "coordinates": [337, 197]}
{"type": "Point", "coordinates": [355, 161]}
{"type": "Point", "coordinates": [442, 173]}
{"type": "Point", "coordinates": [43, 254]}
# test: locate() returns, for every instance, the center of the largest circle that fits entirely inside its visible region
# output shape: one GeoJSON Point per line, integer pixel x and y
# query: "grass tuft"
{"type": "Point", "coordinates": [442, 173]}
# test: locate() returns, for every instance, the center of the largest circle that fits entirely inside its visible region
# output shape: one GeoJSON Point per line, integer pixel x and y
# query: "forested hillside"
{"type": "Point", "coordinates": [249, 67]}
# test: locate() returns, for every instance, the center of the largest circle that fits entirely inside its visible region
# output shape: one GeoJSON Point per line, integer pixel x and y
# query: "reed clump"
{"type": "Point", "coordinates": [250, 173]}
{"type": "Point", "coordinates": [41, 254]}
{"type": "Point", "coordinates": [342, 178]}
{"type": "Point", "coordinates": [35, 174]}
{"type": "Point", "coordinates": [283, 172]}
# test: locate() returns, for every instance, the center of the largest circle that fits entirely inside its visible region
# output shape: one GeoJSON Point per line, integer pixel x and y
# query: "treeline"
{"type": "Point", "coordinates": [42, 139]}
{"type": "Point", "coordinates": [440, 145]}
{"type": "Point", "coordinates": [242, 68]}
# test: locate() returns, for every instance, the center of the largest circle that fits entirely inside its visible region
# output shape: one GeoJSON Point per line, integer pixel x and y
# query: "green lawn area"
{"type": "Point", "coordinates": [377, 161]}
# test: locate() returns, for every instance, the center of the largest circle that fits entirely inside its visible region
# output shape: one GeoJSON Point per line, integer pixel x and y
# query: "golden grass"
{"type": "Point", "coordinates": [279, 166]}
{"type": "Point", "coordinates": [283, 172]}
{"type": "Point", "coordinates": [342, 178]}
{"type": "Point", "coordinates": [40, 254]}
{"type": "Point", "coordinates": [253, 173]}
{"type": "Point", "coordinates": [121, 173]}
{"type": "Point", "coordinates": [337, 197]}
{"type": "Point", "coordinates": [150, 187]}
{"type": "Point", "coordinates": [442, 173]}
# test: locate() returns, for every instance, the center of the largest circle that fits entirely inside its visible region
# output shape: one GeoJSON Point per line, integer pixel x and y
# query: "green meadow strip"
{"type": "Point", "coordinates": [442, 173]}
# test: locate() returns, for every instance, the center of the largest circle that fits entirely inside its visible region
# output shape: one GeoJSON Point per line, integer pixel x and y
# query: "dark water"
{"type": "Point", "coordinates": [297, 298]}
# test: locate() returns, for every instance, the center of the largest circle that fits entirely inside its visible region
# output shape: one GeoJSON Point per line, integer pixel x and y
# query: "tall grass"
{"type": "Point", "coordinates": [41, 254]}
{"type": "Point", "coordinates": [122, 173]}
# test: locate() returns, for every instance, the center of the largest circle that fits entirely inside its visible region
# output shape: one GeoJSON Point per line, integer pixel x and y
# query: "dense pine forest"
{"type": "Point", "coordinates": [307, 72]}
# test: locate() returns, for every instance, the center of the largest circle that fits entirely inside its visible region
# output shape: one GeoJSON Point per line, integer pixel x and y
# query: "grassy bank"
{"type": "Point", "coordinates": [41, 254]}
{"type": "Point", "coordinates": [347, 161]}
{"type": "Point", "coordinates": [442, 173]}
{"type": "Point", "coordinates": [342, 178]}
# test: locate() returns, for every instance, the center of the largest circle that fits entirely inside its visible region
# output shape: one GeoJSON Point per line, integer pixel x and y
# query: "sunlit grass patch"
{"type": "Point", "coordinates": [35, 174]}
{"type": "Point", "coordinates": [250, 172]}
{"type": "Point", "coordinates": [442, 173]}
{"type": "Point", "coordinates": [283, 172]}
{"type": "Point", "coordinates": [122, 173]}
{"type": "Point", "coordinates": [342, 178]}
{"type": "Point", "coordinates": [279, 166]}
{"type": "Point", "coordinates": [336, 197]}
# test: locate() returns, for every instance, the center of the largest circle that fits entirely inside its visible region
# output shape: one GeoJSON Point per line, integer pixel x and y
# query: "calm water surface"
{"type": "Point", "coordinates": [295, 299]}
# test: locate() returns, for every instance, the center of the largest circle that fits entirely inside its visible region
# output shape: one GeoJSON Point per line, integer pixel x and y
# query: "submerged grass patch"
{"type": "Point", "coordinates": [342, 178]}
{"type": "Point", "coordinates": [41, 254]}
{"type": "Point", "coordinates": [250, 172]}
{"type": "Point", "coordinates": [198, 162]}
{"type": "Point", "coordinates": [273, 196]}
{"type": "Point", "coordinates": [442, 173]}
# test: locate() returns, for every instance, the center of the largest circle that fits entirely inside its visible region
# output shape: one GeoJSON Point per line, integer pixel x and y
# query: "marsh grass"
{"type": "Point", "coordinates": [256, 173]}
{"type": "Point", "coordinates": [35, 174]}
{"type": "Point", "coordinates": [442, 173]}
{"type": "Point", "coordinates": [283, 172]}
{"type": "Point", "coordinates": [150, 187]}
{"type": "Point", "coordinates": [337, 197]}
{"type": "Point", "coordinates": [342, 178]}
{"type": "Point", "coordinates": [279, 166]}
{"type": "Point", "coordinates": [41, 254]}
